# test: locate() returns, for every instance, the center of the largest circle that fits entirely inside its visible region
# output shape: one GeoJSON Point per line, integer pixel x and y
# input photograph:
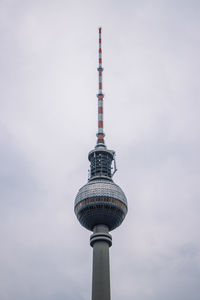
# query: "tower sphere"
{"type": "Point", "coordinates": [100, 201]}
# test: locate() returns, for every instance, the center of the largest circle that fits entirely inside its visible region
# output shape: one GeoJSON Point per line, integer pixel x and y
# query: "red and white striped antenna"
{"type": "Point", "coordinates": [100, 96]}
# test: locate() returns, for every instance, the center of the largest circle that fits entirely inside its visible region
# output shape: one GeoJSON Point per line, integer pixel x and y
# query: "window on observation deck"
{"type": "Point", "coordinates": [101, 202]}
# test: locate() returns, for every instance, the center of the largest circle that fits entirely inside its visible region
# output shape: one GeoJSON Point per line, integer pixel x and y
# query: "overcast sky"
{"type": "Point", "coordinates": [48, 122]}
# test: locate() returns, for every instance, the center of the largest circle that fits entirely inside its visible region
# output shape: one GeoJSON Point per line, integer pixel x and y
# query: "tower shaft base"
{"type": "Point", "coordinates": [101, 240]}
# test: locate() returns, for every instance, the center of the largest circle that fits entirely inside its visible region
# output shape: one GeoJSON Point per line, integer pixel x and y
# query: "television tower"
{"type": "Point", "coordinates": [101, 205]}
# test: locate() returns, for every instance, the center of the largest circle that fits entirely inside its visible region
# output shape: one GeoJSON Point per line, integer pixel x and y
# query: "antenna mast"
{"type": "Point", "coordinates": [100, 96]}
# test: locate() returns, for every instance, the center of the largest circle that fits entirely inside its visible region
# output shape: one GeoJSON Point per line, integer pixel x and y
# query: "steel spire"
{"type": "Point", "coordinates": [100, 96]}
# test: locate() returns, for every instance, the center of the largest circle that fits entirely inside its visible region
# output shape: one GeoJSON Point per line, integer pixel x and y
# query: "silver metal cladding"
{"type": "Point", "coordinates": [101, 188]}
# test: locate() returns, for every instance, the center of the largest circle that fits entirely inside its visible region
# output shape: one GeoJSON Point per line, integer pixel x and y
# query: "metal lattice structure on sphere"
{"type": "Point", "coordinates": [101, 205]}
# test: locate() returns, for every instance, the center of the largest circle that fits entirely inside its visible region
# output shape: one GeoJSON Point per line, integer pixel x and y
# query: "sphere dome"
{"type": "Point", "coordinates": [100, 201]}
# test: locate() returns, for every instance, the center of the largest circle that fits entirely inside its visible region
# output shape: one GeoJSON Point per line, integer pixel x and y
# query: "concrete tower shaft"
{"type": "Point", "coordinates": [101, 240]}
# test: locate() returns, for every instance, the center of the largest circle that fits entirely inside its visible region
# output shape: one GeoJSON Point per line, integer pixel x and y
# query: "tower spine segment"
{"type": "Point", "coordinates": [100, 96]}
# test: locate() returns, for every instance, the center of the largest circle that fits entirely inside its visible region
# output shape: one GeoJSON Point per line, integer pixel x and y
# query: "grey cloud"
{"type": "Point", "coordinates": [48, 124]}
